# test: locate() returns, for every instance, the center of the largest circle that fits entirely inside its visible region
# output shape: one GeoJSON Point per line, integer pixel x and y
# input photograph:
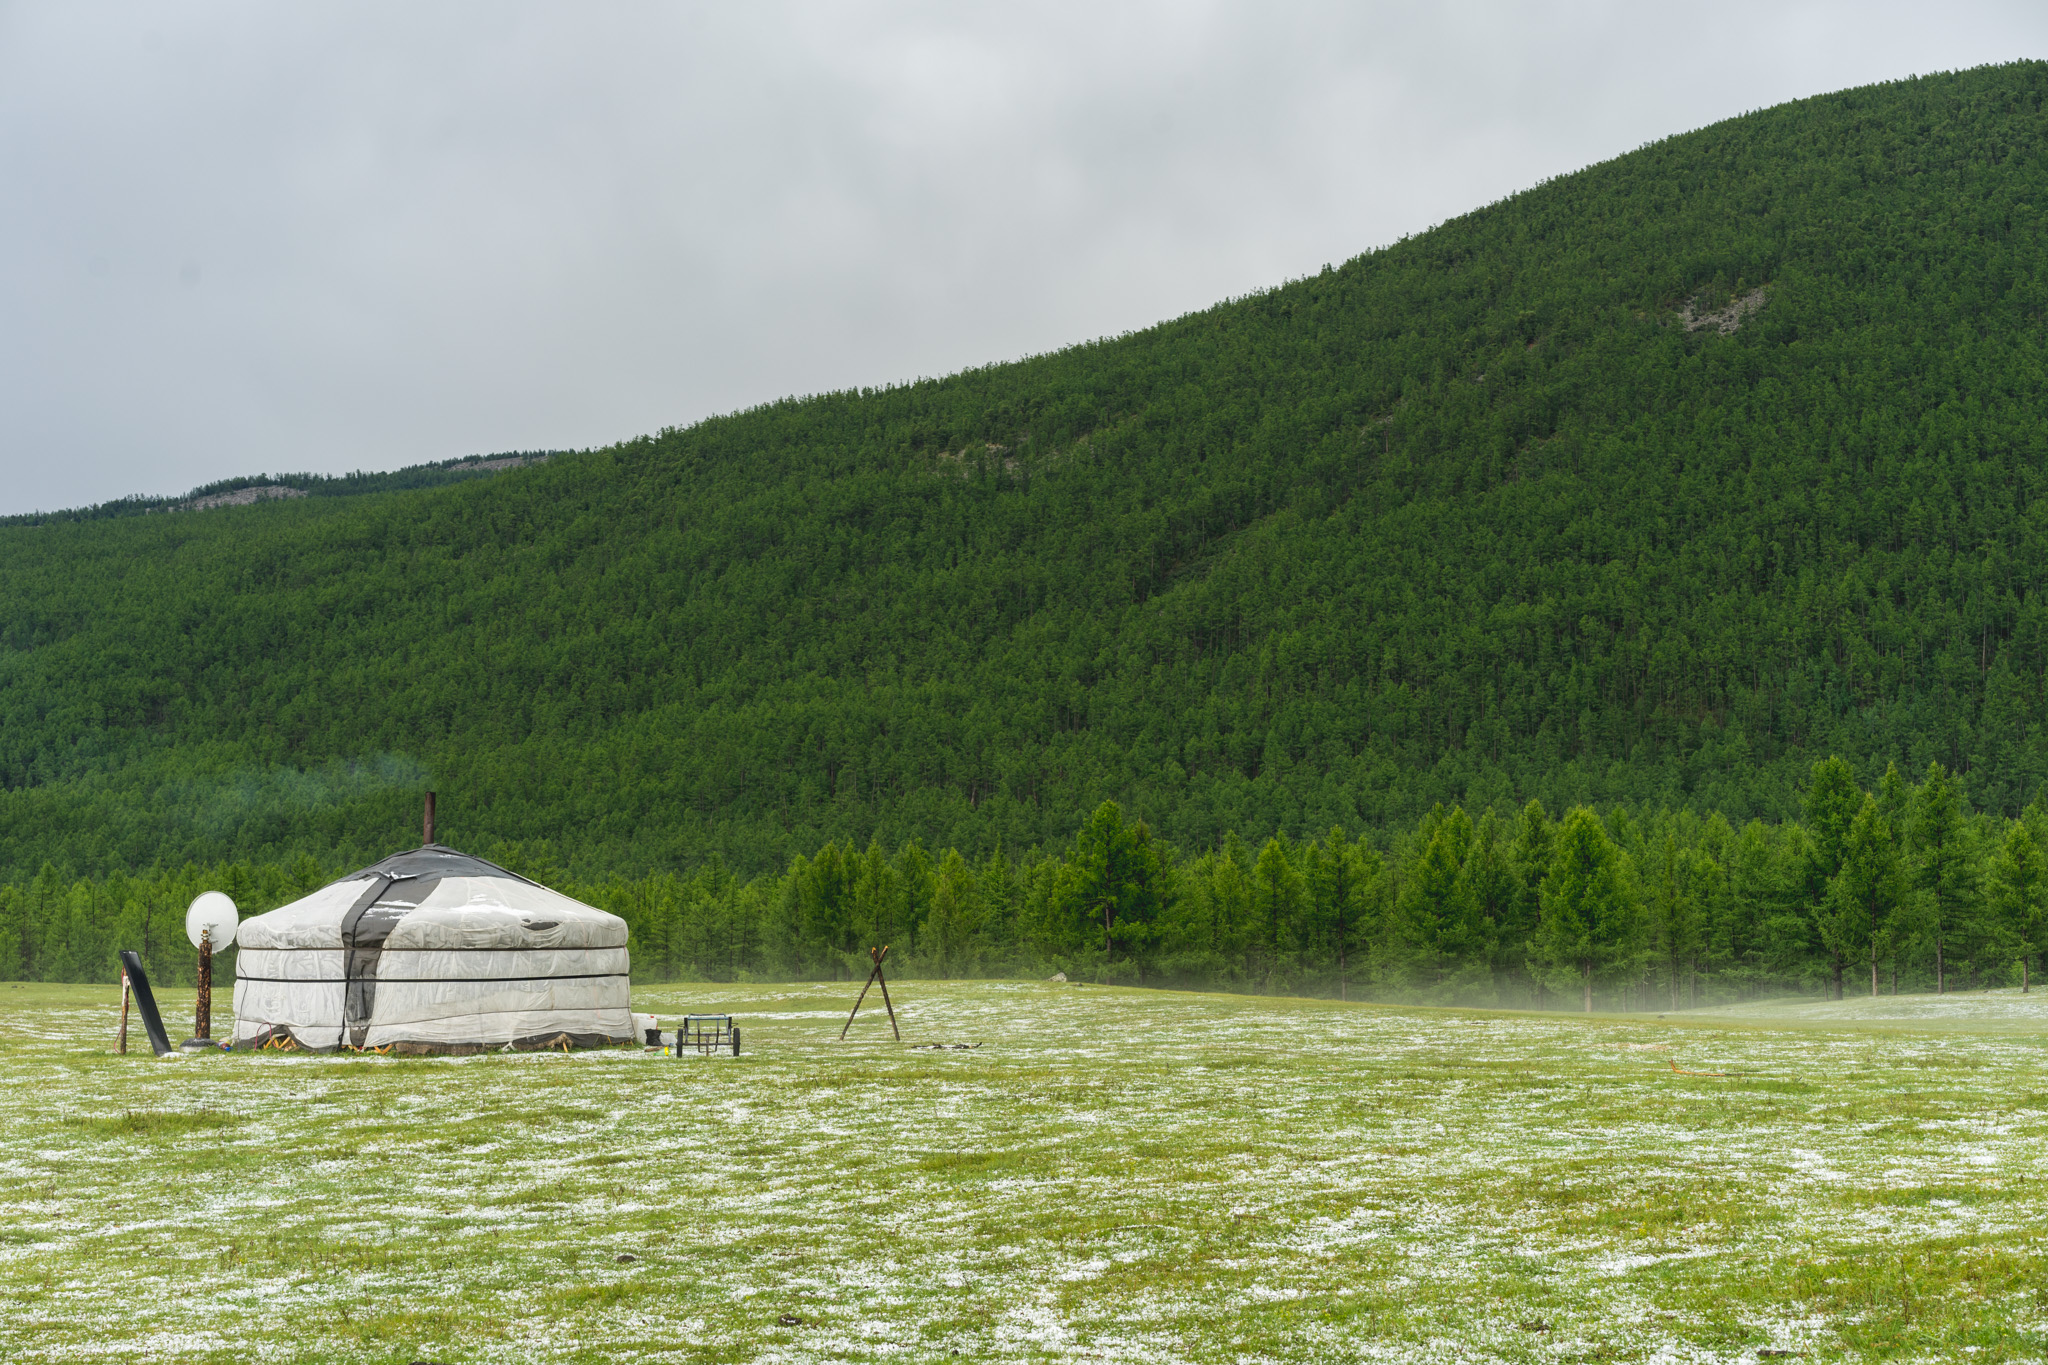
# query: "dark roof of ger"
{"type": "Point", "coordinates": [435, 860]}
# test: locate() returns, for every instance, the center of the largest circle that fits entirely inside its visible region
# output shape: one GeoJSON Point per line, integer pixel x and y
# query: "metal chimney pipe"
{"type": "Point", "coordinates": [429, 821]}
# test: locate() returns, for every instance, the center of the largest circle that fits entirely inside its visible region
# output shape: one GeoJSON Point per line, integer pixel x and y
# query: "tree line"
{"type": "Point", "coordinates": [1902, 887]}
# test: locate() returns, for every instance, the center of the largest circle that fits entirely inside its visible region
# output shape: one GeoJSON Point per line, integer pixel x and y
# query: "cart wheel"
{"type": "Point", "coordinates": [735, 1041]}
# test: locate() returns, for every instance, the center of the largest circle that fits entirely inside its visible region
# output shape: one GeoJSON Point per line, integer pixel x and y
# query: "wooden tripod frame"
{"type": "Point", "coordinates": [875, 955]}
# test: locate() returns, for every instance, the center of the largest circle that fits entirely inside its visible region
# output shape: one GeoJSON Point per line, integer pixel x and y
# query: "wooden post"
{"type": "Point", "coordinates": [856, 1004]}
{"type": "Point", "coordinates": [121, 1043]}
{"type": "Point", "coordinates": [885, 994]}
{"type": "Point", "coordinates": [875, 955]}
{"type": "Point", "coordinates": [202, 1009]}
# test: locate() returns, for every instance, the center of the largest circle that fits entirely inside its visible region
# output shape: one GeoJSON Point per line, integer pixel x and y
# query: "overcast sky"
{"type": "Point", "coordinates": [241, 238]}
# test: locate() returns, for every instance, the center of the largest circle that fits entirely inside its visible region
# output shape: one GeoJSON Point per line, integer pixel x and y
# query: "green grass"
{"type": "Point", "coordinates": [1116, 1175]}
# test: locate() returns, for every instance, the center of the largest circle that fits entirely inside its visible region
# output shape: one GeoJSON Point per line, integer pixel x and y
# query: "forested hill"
{"type": "Point", "coordinates": [1649, 485]}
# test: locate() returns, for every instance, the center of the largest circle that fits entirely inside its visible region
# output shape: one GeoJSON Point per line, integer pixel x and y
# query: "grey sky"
{"type": "Point", "coordinates": [256, 237]}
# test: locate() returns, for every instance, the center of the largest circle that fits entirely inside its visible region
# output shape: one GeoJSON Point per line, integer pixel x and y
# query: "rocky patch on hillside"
{"type": "Point", "coordinates": [242, 497]}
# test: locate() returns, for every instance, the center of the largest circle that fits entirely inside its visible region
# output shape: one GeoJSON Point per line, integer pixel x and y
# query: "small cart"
{"type": "Point", "coordinates": [706, 1034]}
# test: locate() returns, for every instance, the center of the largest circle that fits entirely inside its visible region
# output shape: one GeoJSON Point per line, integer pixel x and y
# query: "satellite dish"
{"type": "Point", "coordinates": [212, 911]}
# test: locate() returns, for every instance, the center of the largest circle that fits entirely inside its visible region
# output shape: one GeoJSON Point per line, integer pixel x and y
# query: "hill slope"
{"type": "Point", "coordinates": [1484, 515]}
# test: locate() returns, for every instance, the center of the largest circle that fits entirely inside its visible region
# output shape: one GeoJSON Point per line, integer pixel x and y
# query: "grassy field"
{"type": "Point", "coordinates": [1111, 1175]}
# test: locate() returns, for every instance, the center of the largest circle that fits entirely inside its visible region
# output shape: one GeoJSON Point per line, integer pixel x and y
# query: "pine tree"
{"type": "Point", "coordinates": [1109, 894]}
{"type": "Point", "coordinates": [1680, 882]}
{"type": "Point", "coordinates": [2019, 888]}
{"type": "Point", "coordinates": [1831, 805]}
{"type": "Point", "coordinates": [1943, 871]}
{"type": "Point", "coordinates": [1280, 902]}
{"type": "Point", "coordinates": [824, 939]}
{"type": "Point", "coordinates": [1340, 876]}
{"type": "Point", "coordinates": [1435, 915]}
{"type": "Point", "coordinates": [1865, 895]}
{"type": "Point", "coordinates": [1494, 888]}
{"type": "Point", "coordinates": [1590, 926]}
{"type": "Point", "coordinates": [952, 939]}
{"type": "Point", "coordinates": [998, 893]}
{"type": "Point", "coordinates": [1703, 887]}
{"type": "Point", "coordinates": [1894, 803]}
{"type": "Point", "coordinates": [1529, 862]}
{"type": "Point", "coordinates": [13, 935]}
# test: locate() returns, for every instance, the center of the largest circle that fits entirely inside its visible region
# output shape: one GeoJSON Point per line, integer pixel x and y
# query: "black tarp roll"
{"type": "Point", "coordinates": [145, 1003]}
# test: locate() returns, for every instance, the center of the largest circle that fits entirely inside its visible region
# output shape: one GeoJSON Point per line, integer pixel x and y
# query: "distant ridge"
{"type": "Point", "coordinates": [253, 488]}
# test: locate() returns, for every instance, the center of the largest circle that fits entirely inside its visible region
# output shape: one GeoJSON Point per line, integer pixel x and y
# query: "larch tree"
{"type": "Point", "coordinates": [1114, 883]}
{"type": "Point", "coordinates": [1831, 806]}
{"type": "Point", "coordinates": [1529, 862]}
{"type": "Point", "coordinates": [1590, 925]}
{"type": "Point", "coordinates": [1944, 873]}
{"type": "Point", "coordinates": [1864, 896]}
{"type": "Point", "coordinates": [1341, 875]}
{"type": "Point", "coordinates": [1280, 907]}
{"type": "Point", "coordinates": [953, 931]}
{"type": "Point", "coordinates": [2019, 884]}
{"type": "Point", "coordinates": [1433, 912]}
{"type": "Point", "coordinates": [1681, 886]}
{"type": "Point", "coordinates": [1702, 885]}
